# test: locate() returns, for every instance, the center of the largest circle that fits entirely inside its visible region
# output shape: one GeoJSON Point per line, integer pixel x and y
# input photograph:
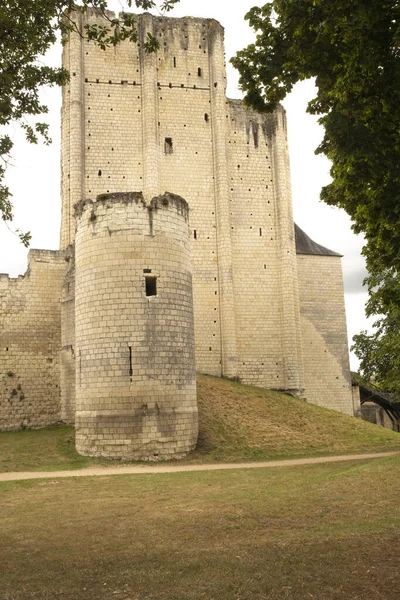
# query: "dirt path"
{"type": "Point", "coordinates": [142, 469]}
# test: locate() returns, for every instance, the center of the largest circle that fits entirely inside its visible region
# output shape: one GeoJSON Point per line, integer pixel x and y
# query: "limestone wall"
{"type": "Point", "coordinates": [324, 334]}
{"type": "Point", "coordinates": [264, 254]}
{"type": "Point", "coordinates": [30, 342]}
{"type": "Point", "coordinates": [134, 342]}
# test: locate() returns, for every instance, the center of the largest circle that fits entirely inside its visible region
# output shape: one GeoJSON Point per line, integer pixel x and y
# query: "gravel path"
{"type": "Point", "coordinates": [165, 468]}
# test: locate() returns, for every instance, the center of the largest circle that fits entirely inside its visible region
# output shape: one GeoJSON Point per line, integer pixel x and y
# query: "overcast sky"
{"type": "Point", "coordinates": [34, 177]}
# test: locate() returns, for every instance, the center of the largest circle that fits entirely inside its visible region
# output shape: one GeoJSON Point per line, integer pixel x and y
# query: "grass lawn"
{"type": "Point", "coordinates": [51, 449]}
{"type": "Point", "coordinates": [237, 422]}
{"type": "Point", "coordinates": [326, 532]}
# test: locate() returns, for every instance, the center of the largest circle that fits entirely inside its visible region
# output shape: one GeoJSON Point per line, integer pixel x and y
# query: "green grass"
{"type": "Point", "coordinates": [50, 449]}
{"type": "Point", "coordinates": [327, 531]}
{"type": "Point", "coordinates": [237, 422]}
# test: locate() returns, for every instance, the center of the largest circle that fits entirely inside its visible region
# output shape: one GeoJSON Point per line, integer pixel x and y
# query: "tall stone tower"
{"type": "Point", "coordinates": [161, 121]}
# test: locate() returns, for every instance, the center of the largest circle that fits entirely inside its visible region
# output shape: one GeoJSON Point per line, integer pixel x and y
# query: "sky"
{"type": "Point", "coordinates": [34, 173]}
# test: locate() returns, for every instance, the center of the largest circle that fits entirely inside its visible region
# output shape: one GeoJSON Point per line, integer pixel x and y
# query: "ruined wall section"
{"type": "Point", "coordinates": [324, 332]}
{"type": "Point", "coordinates": [266, 295]}
{"type": "Point", "coordinates": [135, 367]}
{"type": "Point", "coordinates": [30, 342]}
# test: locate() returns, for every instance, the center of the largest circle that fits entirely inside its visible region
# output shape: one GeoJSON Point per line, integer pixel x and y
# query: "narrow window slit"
{"type": "Point", "coordinates": [151, 286]}
{"type": "Point", "coordinates": [130, 362]}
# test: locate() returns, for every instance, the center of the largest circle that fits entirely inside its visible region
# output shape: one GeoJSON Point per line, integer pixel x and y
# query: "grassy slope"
{"type": "Point", "coordinates": [237, 422]}
{"type": "Point", "coordinates": [328, 532]}
{"type": "Point", "coordinates": [243, 422]}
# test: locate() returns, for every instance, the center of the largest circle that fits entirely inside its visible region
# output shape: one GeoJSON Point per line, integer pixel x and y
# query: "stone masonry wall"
{"type": "Point", "coordinates": [30, 342]}
{"type": "Point", "coordinates": [134, 342]}
{"type": "Point", "coordinates": [324, 333]}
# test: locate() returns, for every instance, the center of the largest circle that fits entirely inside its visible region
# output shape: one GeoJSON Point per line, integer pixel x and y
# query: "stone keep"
{"type": "Point", "coordinates": [268, 301]}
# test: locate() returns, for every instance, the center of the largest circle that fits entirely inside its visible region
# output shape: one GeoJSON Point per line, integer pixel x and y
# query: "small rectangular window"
{"type": "Point", "coordinates": [168, 146]}
{"type": "Point", "coordinates": [151, 286]}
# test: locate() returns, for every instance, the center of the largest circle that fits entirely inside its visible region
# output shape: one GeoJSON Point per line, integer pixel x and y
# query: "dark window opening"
{"type": "Point", "coordinates": [206, 117]}
{"type": "Point", "coordinates": [195, 234]}
{"type": "Point", "coordinates": [199, 72]}
{"type": "Point", "coordinates": [151, 286]}
{"type": "Point", "coordinates": [168, 149]}
{"type": "Point", "coordinates": [99, 173]}
{"type": "Point", "coordinates": [175, 61]}
{"type": "Point", "coordinates": [146, 270]}
{"type": "Point", "coordinates": [260, 231]}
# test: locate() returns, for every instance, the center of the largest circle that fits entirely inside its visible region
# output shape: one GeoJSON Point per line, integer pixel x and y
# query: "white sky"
{"type": "Point", "coordinates": [34, 177]}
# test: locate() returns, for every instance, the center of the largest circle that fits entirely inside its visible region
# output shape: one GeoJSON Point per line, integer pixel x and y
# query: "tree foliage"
{"type": "Point", "coordinates": [352, 49]}
{"type": "Point", "coordinates": [27, 30]}
{"type": "Point", "coordinates": [379, 352]}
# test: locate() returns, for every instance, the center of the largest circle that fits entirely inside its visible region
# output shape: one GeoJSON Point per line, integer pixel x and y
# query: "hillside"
{"type": "Point", "coordinates": [244, 422]}
{"type": "Point", "coordinates": [237, 422]}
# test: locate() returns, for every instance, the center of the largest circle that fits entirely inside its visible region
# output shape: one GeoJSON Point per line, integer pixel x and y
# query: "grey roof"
{"type": "Point", "coordinates": [305, 245]}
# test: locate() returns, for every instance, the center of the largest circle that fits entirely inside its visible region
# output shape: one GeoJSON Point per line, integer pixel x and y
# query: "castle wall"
{"type": "Point", "coordinates": [135, 369]}
{"type": "Point", "coordinates": [324, 334]}
{"type": "Point", "coordinates": [30, 342]}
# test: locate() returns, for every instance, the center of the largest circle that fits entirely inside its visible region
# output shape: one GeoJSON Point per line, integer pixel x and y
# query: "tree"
{"type": "Point", "coordinates": [379, 352]}
{"type": "Point", "coordinates": [27, 30]}
{"type": "Point", "coordinates": [352, 49]}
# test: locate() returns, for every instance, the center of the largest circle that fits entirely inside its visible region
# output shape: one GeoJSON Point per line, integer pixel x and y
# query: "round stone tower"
{"type": "Point", "coordinates": [134, 345]}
